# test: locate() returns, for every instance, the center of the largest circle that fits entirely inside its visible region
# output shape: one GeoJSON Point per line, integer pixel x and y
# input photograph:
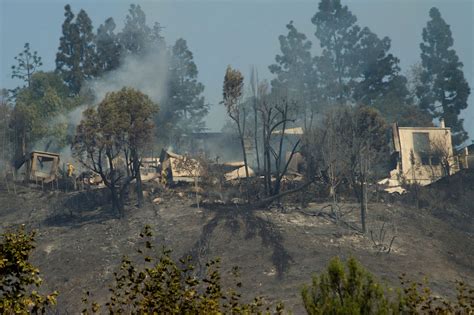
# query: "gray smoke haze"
{"type": "Point", "coordinates": [146, 73]}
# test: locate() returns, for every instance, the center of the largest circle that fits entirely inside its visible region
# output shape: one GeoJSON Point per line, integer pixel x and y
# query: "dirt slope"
{"type": "Point", "coordinates": [78, 249]}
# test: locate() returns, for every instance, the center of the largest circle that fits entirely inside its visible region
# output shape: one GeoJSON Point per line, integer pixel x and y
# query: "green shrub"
{"type": "Point", "coordinates": [351, 289]}
{"type": "Point", "coordinates": [161, 285]}
{"type": "Point", "coordinates": [419, 298]}
{"type": "Point", "coordinates": [19, 279]}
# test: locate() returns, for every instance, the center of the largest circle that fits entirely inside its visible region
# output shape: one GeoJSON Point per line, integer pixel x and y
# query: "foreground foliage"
{"type": "Point", "coordinates": [166, 286]}
{"type": "Point", "coordinates": [19, 279]}
{"type": "Point", "coordinates": [162, 285]}
{"type": "Point", "coordinates": [351, 289]}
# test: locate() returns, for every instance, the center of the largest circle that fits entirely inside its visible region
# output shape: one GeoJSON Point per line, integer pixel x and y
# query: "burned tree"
{"type": "Point", "coordinates": [232, 96]}
{"type": "Point", "coordinates": [254, 88]}
{"type": "Point", "coordinates": [274, 111]}
{"type": "Point", "coordinates": [324, 150]}
{"type": "Point", "coordinates": [441, 156]}
{"type": "Point", "coordinates": [347, 146]}
{"type": "Point", "coordinates": [110, 139]}
{"type": "Point", "coordinates": [367, 143]}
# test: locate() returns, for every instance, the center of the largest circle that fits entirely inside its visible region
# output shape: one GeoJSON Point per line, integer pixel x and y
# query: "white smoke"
{"type": "Point", "coordinates": [146, 73]}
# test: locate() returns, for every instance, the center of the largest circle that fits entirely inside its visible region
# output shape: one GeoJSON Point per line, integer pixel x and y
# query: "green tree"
{"type": "Point", "coordinates": [347, 289]}
{"type": "Point", "coordinates": [110, 141]}
{"type": "Point", "coordinates": [378, 72]}
{"type": "Point", "coordinates": [184, 94]}
{"type": "Point", "coordinates": [338, 34]}
{"type": "Point", "coordinates": [356, 65]}
{"type": "Point", "coordinates": [295, 73]}
{"type": "Point", "coordinates": [108, 47]}
{"type": "Point", "coordinates": [6, 138]}
{"type": "Point", "coordinates": [76, 57]}
{"type": "Point", "coordinates": [19, 279]}
{"type": "Point", "coordinates": [351, 289]}
{"type": "Point", "coordinates": [28, 64]}
{"type": "Point", "coordinates": [35, 117]}
{"type": "Point", "coordinates": [444, 90]}
{"type": "Point", "coordinates": [137, 37]}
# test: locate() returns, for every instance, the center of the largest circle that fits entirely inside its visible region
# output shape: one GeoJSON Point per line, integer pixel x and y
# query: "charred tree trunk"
{"type": "Point", "coordinates": [267, 201]}
{"type": "Point", "coordinates": [363, 205]}
{"type": "Point", "coordinates": [244, 153]}
{"type": "Point", "coordinates": [255, 133]}
{"type": "Point", "coordinates": [115, 195]}
{"type": "Point", "coordinates": [117, 201]}
{"type": "Point", "coordinates": [138, 178]}
{"type": "Point", "coordinates": [265, 159]}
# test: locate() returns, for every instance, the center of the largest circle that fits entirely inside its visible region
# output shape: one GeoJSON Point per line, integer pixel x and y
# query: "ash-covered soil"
{"type": "Point", "coordinates": [80, 242]}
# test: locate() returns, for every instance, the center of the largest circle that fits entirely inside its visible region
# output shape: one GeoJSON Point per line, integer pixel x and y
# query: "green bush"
{"type": "Point", "coordinates": [353, 290]}
{"type": "Point", "coordinates": [350, 290]}
{"type": "Point", "coordinates": [161, 285]}
{"type": "Point", "coordinates": [418, 298]}
{"type": "Point", "coordinates": [19, 279]}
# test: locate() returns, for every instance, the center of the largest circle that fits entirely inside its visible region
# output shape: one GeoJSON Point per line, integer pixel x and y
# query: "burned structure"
{"type": "Point", "coordinates": [421, 155]}
{"type": "Point", "coordinates": [178, 168]}
{"type": "Point", "coordinates": [291, 137]}
{"type": "Point", "coordinates": [41, 167]}
{"type": "Point", "coordinates": [466, 157]}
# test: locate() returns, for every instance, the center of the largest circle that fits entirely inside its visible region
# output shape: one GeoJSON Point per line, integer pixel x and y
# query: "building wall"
{"type": "Point", "coordinates": [423, 174]}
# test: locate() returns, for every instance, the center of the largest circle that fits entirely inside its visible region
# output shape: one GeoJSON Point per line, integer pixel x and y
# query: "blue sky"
{"type": "Point", "coordinates": [241, 33]}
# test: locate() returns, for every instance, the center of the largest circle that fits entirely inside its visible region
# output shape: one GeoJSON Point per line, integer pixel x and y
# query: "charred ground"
{"type": "Point", "coordinates": [80, 242]}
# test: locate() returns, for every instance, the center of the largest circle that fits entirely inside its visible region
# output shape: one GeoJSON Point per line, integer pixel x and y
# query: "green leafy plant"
{"type": "Point", "coordinates": [351, 289]}
{"type": "Point", "coordinates": [419, 298]}
{"type": "Point", "coordinates": [162, 285]}
{"type": "Point", "coordinates": [19, 279]}
{"type": "Point", "coordinates": [347, 290]}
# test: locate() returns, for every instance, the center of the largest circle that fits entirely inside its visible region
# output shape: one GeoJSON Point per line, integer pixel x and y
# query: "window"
{"type": "Point", "coordinates": [425, 160]}
{"type": "Point", "coordinates": [435, 160]}
{"type": "Point", "coordinates": [421, 142]}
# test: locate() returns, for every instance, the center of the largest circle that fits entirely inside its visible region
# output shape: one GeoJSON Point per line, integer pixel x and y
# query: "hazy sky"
{"type": "Point", "coordinates": [239, 33]}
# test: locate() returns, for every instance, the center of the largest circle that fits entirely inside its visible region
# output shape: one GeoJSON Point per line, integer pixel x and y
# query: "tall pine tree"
{"type": "Point", "coordinates": [75, 60]}
{"type": "Point", "coordinates": [137, 37]}
{"type": "Point", "coordinates": [185, 107]}
{"type": "Point", "coordinates": [355, 65]}
{"type": "Point", "coordinates": [378, 70]}
{"type": "Point", "coordinates": [108, 47]}
{"type": "Point", "coordinates": [443, 91]}
{"type": "Point", "coordinates": [295, 73]}
{"type": "Point", "coordinates": [338, 34]}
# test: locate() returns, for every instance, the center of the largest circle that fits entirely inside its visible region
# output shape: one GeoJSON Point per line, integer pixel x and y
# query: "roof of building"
{"type": "Point", "coordinates": [424, 128]}
{"type": "Point", "coordinates": [290, 131]}
{"type": "Point", "coordinates": [45, 153]}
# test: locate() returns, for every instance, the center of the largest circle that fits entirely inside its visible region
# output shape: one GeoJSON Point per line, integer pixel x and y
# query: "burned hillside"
{"type": "Point", "coordinates": [280, 145]}
{"type": "Point", "coordinates": [277, 249]}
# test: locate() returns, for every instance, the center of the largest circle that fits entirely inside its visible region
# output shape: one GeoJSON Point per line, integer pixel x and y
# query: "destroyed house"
{"type": "Point", "coordinates": [290, 139]}
{"type": "Point", "coordinates": [42, 167]}
{"type": "Point", "coordinates": [215, 145]}
{"type": "Point", "coordinates": [178, 168]}
{"type": "Point", "coordinates": [466, 157]}
{"type": "Point", "coordinates": [422, 155]}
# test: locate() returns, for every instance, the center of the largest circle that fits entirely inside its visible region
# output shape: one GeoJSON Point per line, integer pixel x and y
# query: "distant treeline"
{"type": "Point", "coordinates": [355, 67]}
